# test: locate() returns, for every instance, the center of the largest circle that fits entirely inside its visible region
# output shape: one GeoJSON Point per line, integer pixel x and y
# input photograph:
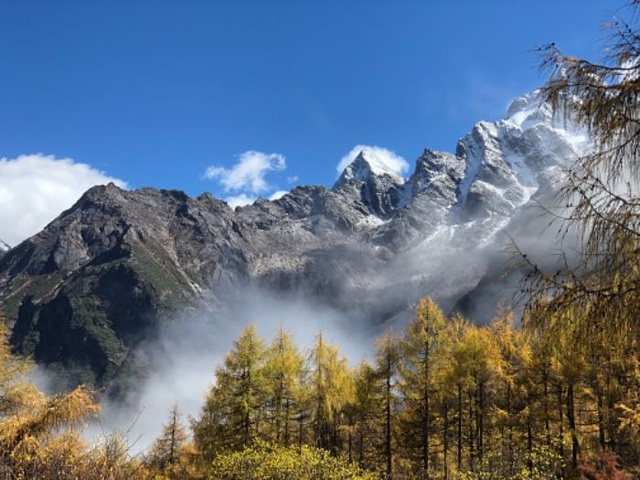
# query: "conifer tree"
{"type": "Point", "coordinates": [419, 346]}
{"type": "Point", "coordinates": [600, 192]}
{"type": "Point", "coordinates": [233, 412]}
{"type": "Point", "coordinates": [283, 375]}
{"type": "Point", "coordinates": [484, 359]}
{"type": "Point", "coordinates": [517, 395]}
{"type": "Point", "coordinates": [331, 386]}
{"type": "Point", "coordinates": [387, 369]}
{"type": "Point", "coordinates": [569, 364]}
{"type": "Point", "coordinates": [366, 407]}
{"type": "Point", "coordinates": [34, 428]}
{"type": "Point", "coordinates": [456, 374]}
{"type": "Point", "coordinates": [599, 294]}
{"type": "Point", "coordinates": [450, 383]}
{"type": "Point", "coordinates": [167, 451]}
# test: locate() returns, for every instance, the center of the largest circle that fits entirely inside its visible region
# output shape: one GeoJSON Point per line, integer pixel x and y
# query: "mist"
{"type": "Point", "coordinates": [180, 359]}
{"type": "Point", "coordinates": [179, 362]}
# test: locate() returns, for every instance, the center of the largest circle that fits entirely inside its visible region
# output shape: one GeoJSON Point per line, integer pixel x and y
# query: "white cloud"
{"type": "Point", "coordinates": [278, 194]}
{"type": "Point", "coordinates": [249, 173]}
{"type": "Point", "coordinates": [243, 199]}
{"type": "Point", "coordinates": [380, 159]}
{"type": "Point", "coordinates": [240, 200]}
{"type": "Point", "coordinates": [34, 189]}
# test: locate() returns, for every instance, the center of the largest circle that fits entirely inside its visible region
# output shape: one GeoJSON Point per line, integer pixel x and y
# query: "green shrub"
{"type": "Point", "coordinates": [266, 462]}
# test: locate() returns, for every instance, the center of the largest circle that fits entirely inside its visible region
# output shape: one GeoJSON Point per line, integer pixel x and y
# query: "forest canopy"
{"type": "Point", "coordinates": [445, 398]}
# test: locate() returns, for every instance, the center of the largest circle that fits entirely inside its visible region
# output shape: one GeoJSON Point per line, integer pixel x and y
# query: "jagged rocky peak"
{"type": "Point", "coordinates": [436, 170]}
{"type": "Point", "coordinates": [508, 160]}
{"type": "Point", "coordinates": [538, 121]}
{"type": "Point", "coordinates": [377, 181]}
{"type": "Point", "coordinates": [368, 164]}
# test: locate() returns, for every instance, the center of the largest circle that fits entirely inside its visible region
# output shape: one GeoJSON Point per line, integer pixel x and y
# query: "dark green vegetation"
{"type": "Point", "coordinates": [85, 290]}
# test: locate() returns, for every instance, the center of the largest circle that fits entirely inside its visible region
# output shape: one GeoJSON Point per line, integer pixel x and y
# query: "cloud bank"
{"type": "Point", "coordinates": [34, 189]}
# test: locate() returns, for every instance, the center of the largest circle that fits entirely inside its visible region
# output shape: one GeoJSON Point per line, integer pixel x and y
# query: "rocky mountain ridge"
{"type": "Point", "coordinates": [83, 292]}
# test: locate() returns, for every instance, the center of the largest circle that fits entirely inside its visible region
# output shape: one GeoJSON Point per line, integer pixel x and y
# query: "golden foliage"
{"type": "Point", "coordinates": [265, 462]}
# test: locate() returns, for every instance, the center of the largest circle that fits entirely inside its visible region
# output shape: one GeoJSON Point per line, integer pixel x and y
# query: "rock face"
{"type": "Point", "coordinates": [84, 291]}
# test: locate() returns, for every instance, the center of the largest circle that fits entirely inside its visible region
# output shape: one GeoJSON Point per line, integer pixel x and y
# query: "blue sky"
{"type": "Point", "coordinates": [157, 92]}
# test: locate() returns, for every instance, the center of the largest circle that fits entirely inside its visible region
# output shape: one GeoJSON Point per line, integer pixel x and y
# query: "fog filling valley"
{"type": "Point", "coordinates": [179, 361]}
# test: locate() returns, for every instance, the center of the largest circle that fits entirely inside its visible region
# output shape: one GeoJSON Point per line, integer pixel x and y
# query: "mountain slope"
{"type": "Point", "coordinates": [96, 281]}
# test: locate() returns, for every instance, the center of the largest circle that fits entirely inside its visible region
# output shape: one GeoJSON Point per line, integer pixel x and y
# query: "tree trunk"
{"type": "Point", "coordinates": [426, 417]}
{"type": "Point", "coordinates": [425, 435]}
{"type": "Point", "coordinates": [529, 444]}
{"type": "Point", "coordinates": [388, 447]}
{"type": "Point", "coordinates": [286, 422]}
{"type": "Point", "coordinates": [459, 449]}
{"type": "Point", "coordinates": [601, 428]}
{"type": "Point", "coordinates": [480, 419]}
{"type": "Point", "coordinates": [511, 459]}
{"type": "Point", "coordinates": [472, 462]}
{"type": "Point", "coordinates": [279, 399]}
{"type": "Point", "coordinates": [300, 432]}
{"type": "Point", "coordinates": [547, 427]}
{"type": "Point", "coordinates": [445, 440]}
{"type": "Point", "coordinates": [560, 426]}
{"type": "Point", "coordinates": [611, 418]}
{"type": "Point", "coordinates": [571, 417]}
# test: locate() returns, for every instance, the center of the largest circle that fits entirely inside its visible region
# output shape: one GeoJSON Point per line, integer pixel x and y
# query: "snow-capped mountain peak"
{"type": "Point", "coordinates": [497, 168]}
{"type": "Point", "coordinates": [529, 112]}
{"type": "Point", "coordinates": [373, 161]}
